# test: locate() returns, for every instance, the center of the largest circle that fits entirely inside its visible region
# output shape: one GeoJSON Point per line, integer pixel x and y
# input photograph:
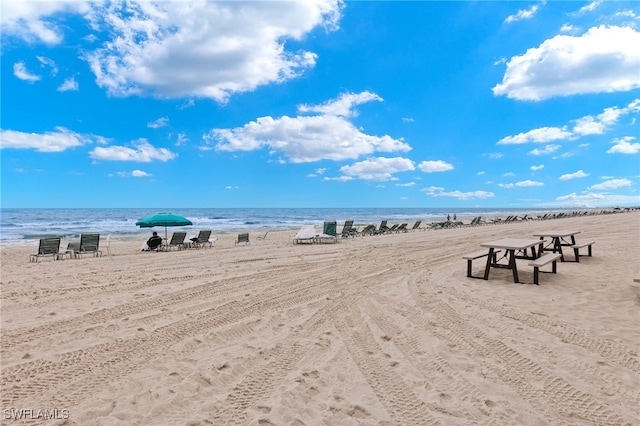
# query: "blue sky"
{"type": "Point", "coordinates": [320, 103]}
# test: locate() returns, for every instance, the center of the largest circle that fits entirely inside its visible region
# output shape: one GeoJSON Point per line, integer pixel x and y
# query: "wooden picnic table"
{"type": "Point", "coordinates": [559, 239]}
{"type": "Point", "coordinates": [515, 248]}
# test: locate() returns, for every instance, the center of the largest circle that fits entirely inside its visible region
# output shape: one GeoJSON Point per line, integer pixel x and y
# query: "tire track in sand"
{"type": "Point", "coordinates": [518, 371]}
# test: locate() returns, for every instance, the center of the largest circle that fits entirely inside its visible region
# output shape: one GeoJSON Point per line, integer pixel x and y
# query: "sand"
{"type": "Point", "coordinates": [373, 330]}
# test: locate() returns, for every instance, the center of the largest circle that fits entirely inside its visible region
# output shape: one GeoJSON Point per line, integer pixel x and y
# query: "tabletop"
{"type": "Point", "coordinates": [555, 234]}
{"type": "Point", "coordinates": [512, 243]}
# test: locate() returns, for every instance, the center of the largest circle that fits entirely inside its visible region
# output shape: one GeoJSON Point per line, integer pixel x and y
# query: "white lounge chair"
{"type": "Point", "coordinates": [306, 234]}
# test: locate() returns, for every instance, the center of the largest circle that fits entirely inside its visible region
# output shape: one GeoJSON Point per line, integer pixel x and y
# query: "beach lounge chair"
{"type": "Point", "coordinates": [47, 247]}
{"type": "Point", "coordinates": [416, 225]}
{"type": "Point", "coordinates": [369, 230]}
{"type": "Point", "coordinates": [383, 229]}
{"type": "Point", "coordinates": [262, 237]}
{"type": "Point", "coordinates": [393, 228]}
{"type": "Point", "coordinates": [177, 240]}
{"type": "Point", "coordinates": [330, 228]}
{"type": "Point", "coordinates": [202, 239]}
{"type": "Point", "coordinates": [154, 243]}
{"type": "Point", "coordinates": [243, 238]}
{"type": "Point", "coordinates": [306, 234]}
{"type": "Point", "coordinates": [329, 233]}
{"type": "Point", "coordinates": [439, 225]}
{"type": "Point", "coordinates": [89, 243]}
{"type": "Point", "coordinates": [473, 222]}
{"type": "Point", "coordinates": [348, 230]}
{"type": "Point", "coordinates": [402, 228]}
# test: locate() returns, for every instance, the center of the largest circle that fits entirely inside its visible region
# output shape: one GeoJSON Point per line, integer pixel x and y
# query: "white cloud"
{"type": "Point", "coordinates": [50, 63]}
{"type": "Point", "coordinates": [611, 184]}
{"type": "Point", "coordinates": [575, 175]}
{"type": "Point", "coordinates": [28, 19]}
{"type": "Point", "coordinates": [68, 85]}
{"type": "Point", "coordinates": [548, 149]}
{"type": "Point", "coordinates": [603, 60]}
{"type": "Point", "coordinates": [536, 168]}
{"type": "Point", "coordinates": [593, 199]}
{"type": "Point", "coordinates": [521, 184]}
{"type": "Point", "coordinates": [523, 14]}
{"type": "Point", "coordinates": [318, 172]}
{"type": "Point", "coordinates": [144, 152]}
{"type": "Point", "coordinates": [205, 49]}
{"type": "Point", "coordinates": [590, 125]}
{"type": "Point", "coordinates": [134, 173]}
{"type": "Point", "coordinates": [528, 183]}
{"type": "Point", "coordinates": [407, 185]}
{"type": "Point", "coordinates": [590, 7]}
{"type": "Point", "coordinates": [626, 14]}
{"type": "Point", "coordinates": [20, 71]}
{"type": "Point", "coordinates": [343, 106]}
{"type": "Point", "coordinates": [309, 138]}
{"type": "Point", "coordinates": [160, 122]}
{"type": "Point", "coordinates": [57, 141]}
{"type": "Point", "coordinates": [587, 125]}
{"type": "Point", "coordinates": [541, 135]}
{"type": "Point", "coordinates": [495, 155]}
{"type": "Point", "coordinates": [181, 139]}
{"type": "Point", "coordinates": [139, 173]}
{"type": "Point", "coordinates": [624, 145]}
{"type": "Point", "coordinates": [436, 191]}
{"type": "Point", "coordinates": [435, 166]}
{"type": "Point", "coordinates": [380, 168]}
{"type": "Point", "coordinates": [339, 178]}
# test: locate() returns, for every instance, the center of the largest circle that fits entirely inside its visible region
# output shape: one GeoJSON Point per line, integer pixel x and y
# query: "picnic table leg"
{"type": "Point", "coordinates": [573, 243]}
{"type": "Point", "coordinates": [542, 248]}
{"type": "Point", "coordinates": [490, 258]}
{"type": "Point", "coordinates": [557, 247]}
{"type": "Point", "coordinates": [512, 265]}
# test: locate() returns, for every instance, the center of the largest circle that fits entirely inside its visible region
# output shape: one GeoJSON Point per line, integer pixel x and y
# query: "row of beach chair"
{"type": "Point", "coordinates": [350, 230]}
{"type": "Point", "coordinates": [89, 243]}
{"type": "Point", "coordinates": [177, 241]}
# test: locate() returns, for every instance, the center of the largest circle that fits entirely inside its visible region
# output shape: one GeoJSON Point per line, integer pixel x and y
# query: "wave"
{"type": "Point", "coordinates": [32, 224]}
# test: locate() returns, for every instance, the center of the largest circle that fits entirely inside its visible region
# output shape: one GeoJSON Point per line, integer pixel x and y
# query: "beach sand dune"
{"type": "Point", "coordinates": [374, 330]}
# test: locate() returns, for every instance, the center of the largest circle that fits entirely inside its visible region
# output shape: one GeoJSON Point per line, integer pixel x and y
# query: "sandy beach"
{"type": "Point", "coordinates": [378, 330]}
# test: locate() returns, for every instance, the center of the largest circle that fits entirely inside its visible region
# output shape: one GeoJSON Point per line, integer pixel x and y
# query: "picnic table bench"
{"type": "Point", "coordinates": [542, 261]}
{"type": "Point", "coordinates": [577, 247]}
{"type": "Point", "coordinates": [477, 255]}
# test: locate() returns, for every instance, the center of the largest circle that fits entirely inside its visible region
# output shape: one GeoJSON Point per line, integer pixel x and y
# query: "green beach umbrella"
{"type": "Point", "coordinates": [163, 219]}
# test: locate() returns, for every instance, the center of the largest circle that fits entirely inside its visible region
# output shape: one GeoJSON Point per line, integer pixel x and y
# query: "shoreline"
{"type": "Point", "coordinates": [142, 234]}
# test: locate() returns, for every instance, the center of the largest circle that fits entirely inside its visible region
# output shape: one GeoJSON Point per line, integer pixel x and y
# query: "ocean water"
{"type": "Point", "coordinates": [18, 226]}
